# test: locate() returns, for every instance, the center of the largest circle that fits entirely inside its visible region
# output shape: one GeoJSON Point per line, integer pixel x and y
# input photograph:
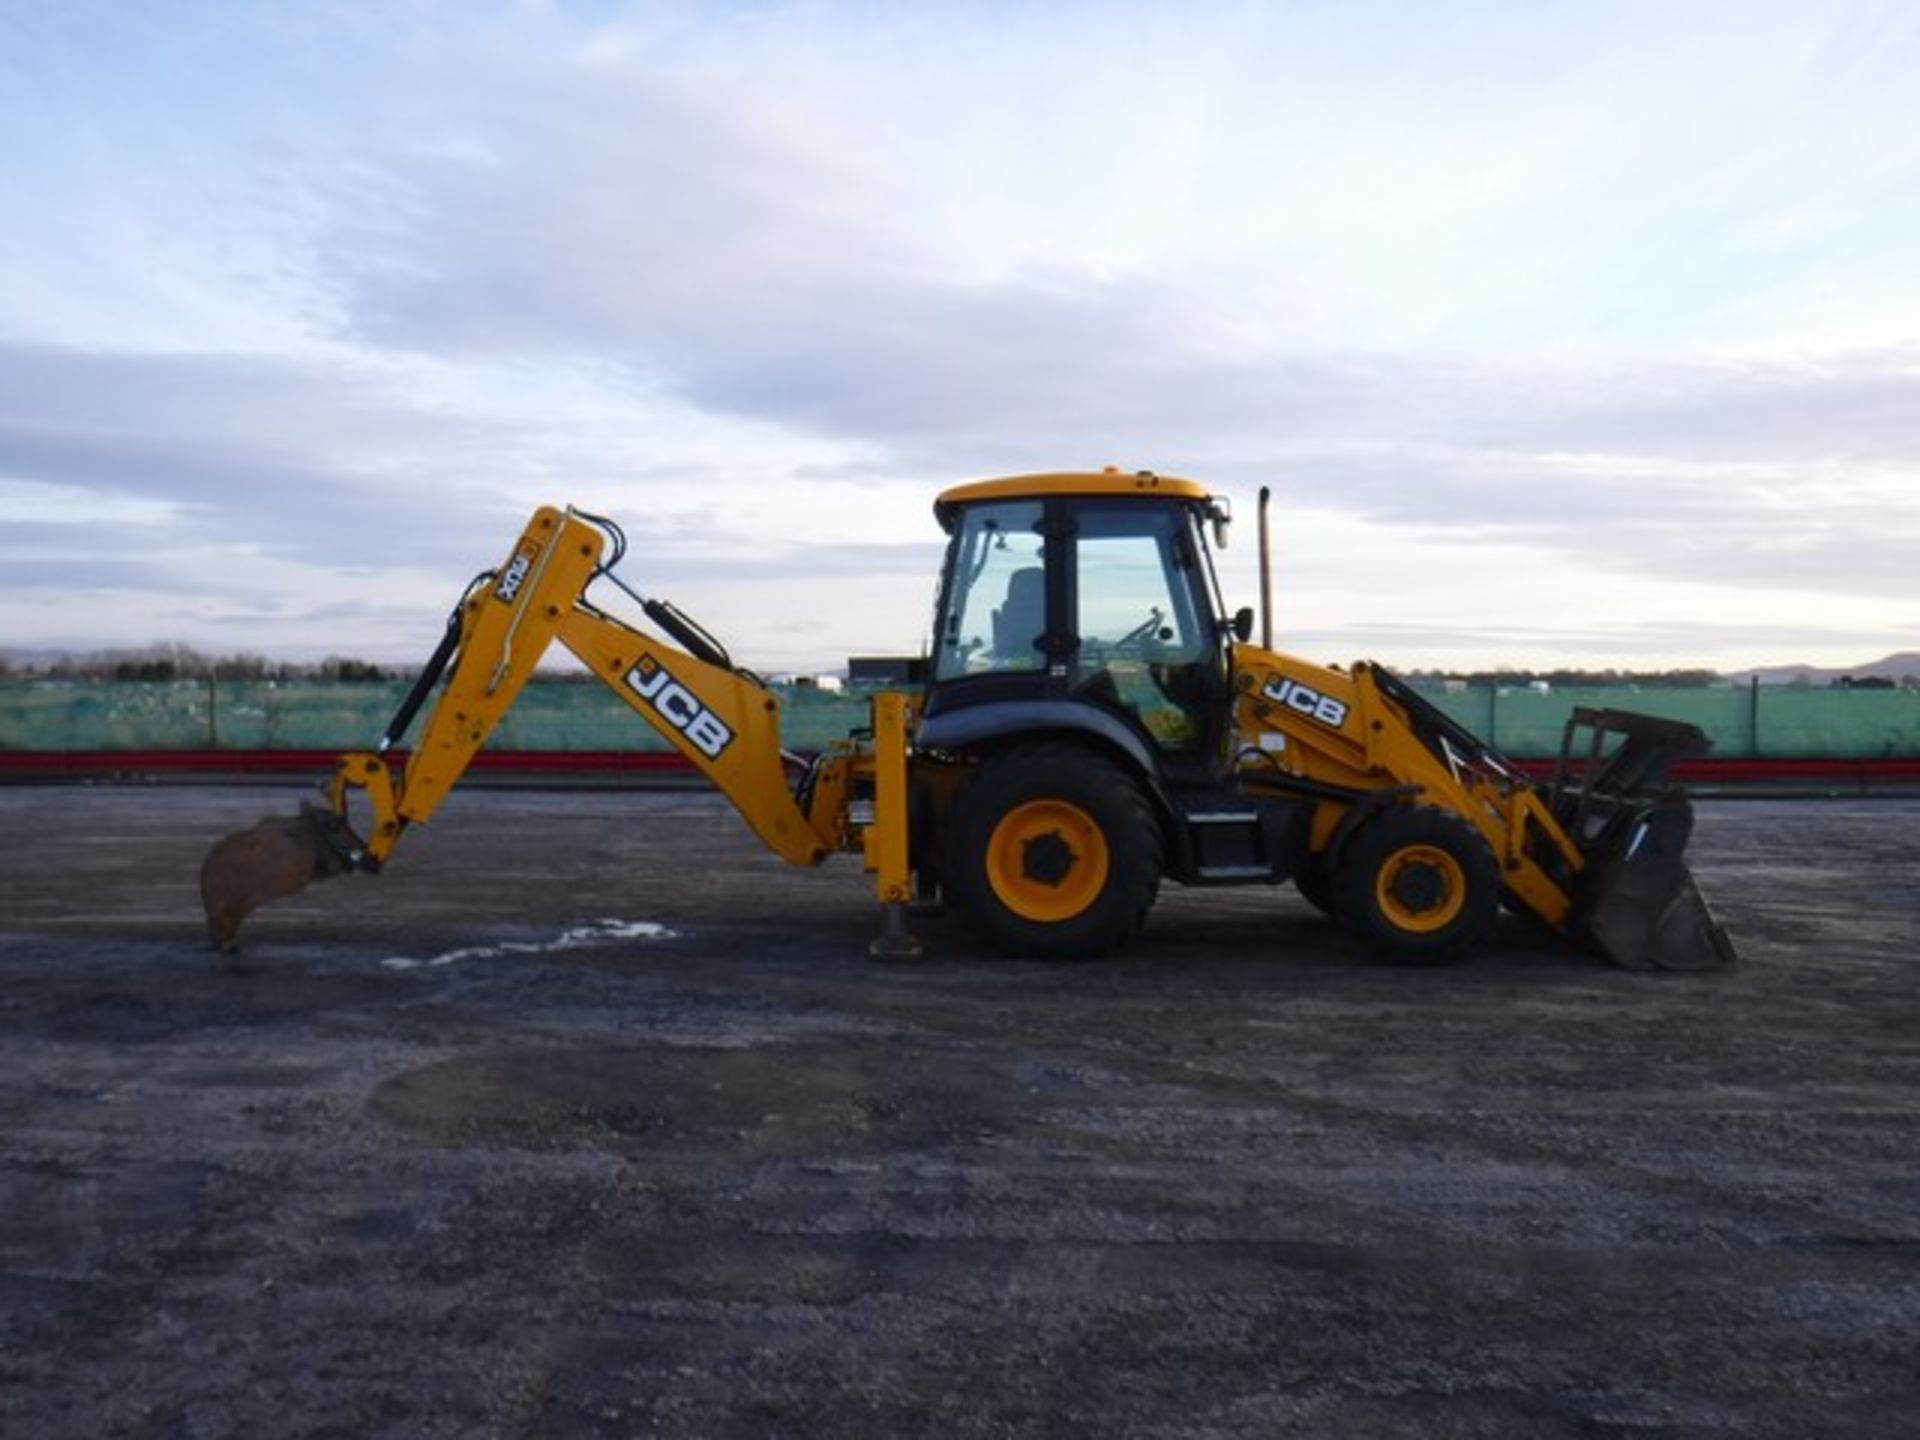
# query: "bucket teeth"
{"type": "Point", "coordinates": [277, 857]}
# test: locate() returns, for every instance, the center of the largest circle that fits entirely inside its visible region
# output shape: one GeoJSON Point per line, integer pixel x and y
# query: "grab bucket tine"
{"type": "Point", "coordinates": [279, 856]}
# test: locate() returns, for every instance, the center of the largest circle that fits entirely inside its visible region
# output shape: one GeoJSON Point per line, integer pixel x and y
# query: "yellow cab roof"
{"type": "Point", "coordinates": [1110, 481]}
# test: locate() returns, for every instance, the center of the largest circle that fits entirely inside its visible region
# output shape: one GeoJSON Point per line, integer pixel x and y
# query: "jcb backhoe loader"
{"type": "Point", "coordinates": [1090, 722]}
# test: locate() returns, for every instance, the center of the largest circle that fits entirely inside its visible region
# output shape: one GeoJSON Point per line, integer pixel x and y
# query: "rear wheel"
{"type": "Point", "coordinates": [1053, 851]}
{"type": "Point", "coordinates": [1417, 884]}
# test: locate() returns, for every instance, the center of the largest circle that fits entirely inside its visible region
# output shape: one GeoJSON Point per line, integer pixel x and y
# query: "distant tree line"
{"type": "Point", "coordinates": [1877, 682]}
{"type": "Point", "coordinates": [1520, 679]}
{"type": "Point", "coordinates": [160, 663]}
{"type": "Point", "coordinates": [1645, 679]}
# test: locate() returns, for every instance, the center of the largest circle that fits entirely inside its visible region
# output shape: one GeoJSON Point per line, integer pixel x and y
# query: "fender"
{"type": "Point", "coordinates": [982, 724]}
{"type": "Point", "coordinates": [978, 724]}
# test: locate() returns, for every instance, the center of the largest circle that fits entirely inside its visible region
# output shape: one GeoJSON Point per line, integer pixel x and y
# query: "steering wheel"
{"type": "Point", "coordinates": [1135, 643]}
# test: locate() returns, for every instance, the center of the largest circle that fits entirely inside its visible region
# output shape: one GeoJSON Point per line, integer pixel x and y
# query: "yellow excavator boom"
{"type": "Point", "coordinates": [722, 719]}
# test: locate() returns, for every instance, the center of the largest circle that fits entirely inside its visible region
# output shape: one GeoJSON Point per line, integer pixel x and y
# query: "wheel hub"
{"type": "Point", "coordinates": [1419, 886]}
{"type": "Point", "coordinates": [1047, 859]}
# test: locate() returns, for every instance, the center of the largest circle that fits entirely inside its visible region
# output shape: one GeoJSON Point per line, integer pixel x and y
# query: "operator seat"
{"type": "Point", "coordinates": [1021, 618]}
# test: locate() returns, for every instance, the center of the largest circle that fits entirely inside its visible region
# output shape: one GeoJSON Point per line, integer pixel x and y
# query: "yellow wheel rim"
{"type": "Point", "coordinates": [1047, 860]}
{"type": "Point", "coordinates": [1420, 888]}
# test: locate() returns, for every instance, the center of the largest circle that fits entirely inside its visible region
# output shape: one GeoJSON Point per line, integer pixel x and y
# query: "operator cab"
{"type": "Point", "coordinates": [1077, 591]}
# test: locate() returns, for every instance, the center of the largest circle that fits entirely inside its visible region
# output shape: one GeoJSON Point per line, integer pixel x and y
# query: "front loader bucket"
{"type": "Point", "coordinates": [280, 856]}
{"type": "Point", "coordinates": [1640, 905]}
{"type": "Point", "coordinates": [1634, 896]}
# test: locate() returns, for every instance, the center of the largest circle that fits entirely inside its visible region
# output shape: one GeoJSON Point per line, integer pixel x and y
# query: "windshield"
{"type": "Point", "coordinates": [1134, 592]}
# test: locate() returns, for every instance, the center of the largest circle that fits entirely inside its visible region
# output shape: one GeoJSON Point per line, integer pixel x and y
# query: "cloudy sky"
{"type": "Point", "coordinates": [1565, 333]}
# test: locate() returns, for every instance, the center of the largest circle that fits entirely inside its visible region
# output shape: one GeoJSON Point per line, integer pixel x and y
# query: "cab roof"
{"type": "Point", "coordinates": [1071, 482]}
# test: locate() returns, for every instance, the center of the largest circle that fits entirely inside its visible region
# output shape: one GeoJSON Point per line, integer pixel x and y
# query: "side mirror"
{"type": "Point", "coordinates": [1243, 624]}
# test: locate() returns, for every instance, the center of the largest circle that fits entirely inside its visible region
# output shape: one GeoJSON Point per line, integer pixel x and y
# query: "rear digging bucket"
{"type": "Point", "coordinates": [1641, 906]}
{"type": "Point", "coordinates": [278, 857]}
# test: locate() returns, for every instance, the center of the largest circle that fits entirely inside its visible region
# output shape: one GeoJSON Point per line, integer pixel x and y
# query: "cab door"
{"type": "Point", "coordinates": [1144, 639]}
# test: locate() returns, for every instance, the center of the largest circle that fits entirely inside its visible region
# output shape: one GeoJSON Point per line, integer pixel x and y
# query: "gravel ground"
{"type": "Point", "coordinates": [588, 1118]}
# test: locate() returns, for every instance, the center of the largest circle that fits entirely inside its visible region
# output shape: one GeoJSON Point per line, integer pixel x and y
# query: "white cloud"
{"type": "Point", "coordinates": [1597, 316]}
{"type": "Point", "coordinates": [33, 502]}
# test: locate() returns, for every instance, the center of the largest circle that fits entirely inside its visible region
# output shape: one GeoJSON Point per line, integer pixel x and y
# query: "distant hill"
{"type": "Point", "coordinates": [1895, 667]}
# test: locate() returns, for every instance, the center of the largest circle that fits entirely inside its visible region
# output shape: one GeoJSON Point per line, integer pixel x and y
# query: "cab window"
{"type": "Point", "coordinates": [994, 612]}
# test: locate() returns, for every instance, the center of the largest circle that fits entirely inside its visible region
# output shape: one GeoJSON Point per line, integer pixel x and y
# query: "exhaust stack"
{"type": "Point", "coordinates": [1266, 573]}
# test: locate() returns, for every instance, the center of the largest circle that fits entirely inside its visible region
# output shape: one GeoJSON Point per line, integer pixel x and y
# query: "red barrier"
{"type": "Point", "coordinates": [665, 765]}
{"type": "Point", "coordinates": [1773, 770]}
{"type": "Point", "coordinates": [21, 764]}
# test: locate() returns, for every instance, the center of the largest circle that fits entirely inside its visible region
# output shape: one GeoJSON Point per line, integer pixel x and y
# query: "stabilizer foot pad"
{"type": "Point", "coordinates": [896, 948]}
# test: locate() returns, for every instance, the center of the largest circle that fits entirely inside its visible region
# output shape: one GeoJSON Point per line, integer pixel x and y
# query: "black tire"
{"type": "Point", "coordinates": [1314, 884]}
{"type": "Point", "coordinates": [1417, 885]}
{"type": "Point", "coordinates": [1052, 852]}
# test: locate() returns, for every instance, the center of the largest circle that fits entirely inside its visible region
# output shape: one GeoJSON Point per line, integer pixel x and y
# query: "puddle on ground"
{"type": "Point", "coordinates": [579, 937]}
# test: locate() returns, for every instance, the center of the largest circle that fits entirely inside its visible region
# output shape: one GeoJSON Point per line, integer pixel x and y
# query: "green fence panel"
{"type": "Point", "coordinates": [812, 719]}
{"type": "Point", "coordinates": [564, 714]}
{"type": "Point", "coordinates": [104, 715]}
{"type": "Point", "coordinates": [1529, 723]}
{"type": "Point", "coordinates": [560, 715]}
{"type": "Point", "coordinates": [1840, 724]}
{"type": "Point", "coordinates": [302, 715]}
{"type": "Point", "coordinates": [572, 715]}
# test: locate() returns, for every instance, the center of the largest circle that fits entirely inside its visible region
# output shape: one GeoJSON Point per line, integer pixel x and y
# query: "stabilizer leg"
{"type": "Point", "coordinates": [895, 942]}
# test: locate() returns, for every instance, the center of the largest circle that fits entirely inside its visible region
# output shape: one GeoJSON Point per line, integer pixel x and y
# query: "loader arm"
{"type": "Point", "coordinates": [1346, 731]}
{"type": "Point", "coordinates": [1597, 856]}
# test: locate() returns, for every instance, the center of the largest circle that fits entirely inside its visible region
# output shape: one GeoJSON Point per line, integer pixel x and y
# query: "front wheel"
{"type": "Point", "coordinates": [1417, 884]}
{"type": "Point", "coordinates": [1053, 851]}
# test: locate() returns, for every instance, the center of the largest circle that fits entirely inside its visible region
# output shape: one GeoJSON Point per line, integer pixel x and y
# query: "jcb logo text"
{"type": "Point", "coordinates": [1307, 701]}
{"type": "Point", "coordinates": [679, 707]}
{"type": "Point", "coordinates": [514, 576]}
